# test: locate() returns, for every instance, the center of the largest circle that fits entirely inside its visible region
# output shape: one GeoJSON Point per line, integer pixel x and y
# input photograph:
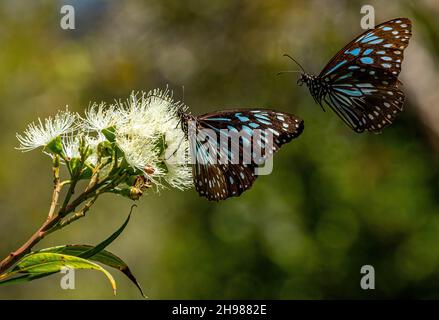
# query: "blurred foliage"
{"type": "Point", "coordinates": [335, 201]}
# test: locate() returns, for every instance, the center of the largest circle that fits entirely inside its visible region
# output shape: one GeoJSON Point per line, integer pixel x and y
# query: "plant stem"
{"type": "Point", "coordinates": [95, 176]}
{"type": "Point", "coordinates": [52, 222]}
{"type": "Point", "coordinates": [44, 230]}
{"type": "Point", "coordinates": [26, 247]}
{"type": "Point", "coordinates": [56, 187]}
{"type": "Point", "coordinates": [77, 215]}
{"type": "Point", "coordinates": [71, 190]}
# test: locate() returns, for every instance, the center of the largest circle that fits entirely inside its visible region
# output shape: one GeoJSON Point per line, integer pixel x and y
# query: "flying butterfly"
{"type": "Point", "coordinates": [221, 170]}
{"type": "Point", "coordinates": [360, 83]}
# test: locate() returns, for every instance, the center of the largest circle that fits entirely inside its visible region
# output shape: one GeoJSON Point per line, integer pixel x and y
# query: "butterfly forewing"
{"type": "Point", "coordinates": [217, 180]}
{"type": "Point", "coordinates": [382, 47]}
{"type": "Point", "coordinates": [253, 124]}
{"type": "Point", "coordinates": [362, 79]}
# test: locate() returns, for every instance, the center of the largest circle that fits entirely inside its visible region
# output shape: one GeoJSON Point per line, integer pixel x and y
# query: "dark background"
{"type": "Point", "coordinates": [335, 201]}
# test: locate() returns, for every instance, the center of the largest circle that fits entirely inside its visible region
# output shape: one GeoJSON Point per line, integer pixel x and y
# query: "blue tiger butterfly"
{"type": "Point", "coordinates": [218, 181]}
{"type": "Point", "coordinates": [360, 83]}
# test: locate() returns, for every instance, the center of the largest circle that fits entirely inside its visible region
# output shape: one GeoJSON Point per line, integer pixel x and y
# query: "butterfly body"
{"type": "Point", "coordinates": [317, 88]}
{"type": "Point", "coordinates": [227, 170]}
{"type": "Point", "coordinates": [360, 83]}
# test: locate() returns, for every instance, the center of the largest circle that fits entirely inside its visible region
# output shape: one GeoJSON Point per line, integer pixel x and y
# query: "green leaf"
{"type": "Point", "coordinates": [25, 278]}
{"type": "Point", "coordinates": [104, 257]}
{"type": "Point", "coordinates": [55, 146]}
{"type": "Point", "coordinates": [74, 164]}
{"type": "Point", "coordinates": [46, 263]}
{"type": "Point", "coordinates": [86, 174]}
{"type": "Point", "coordinates": [82, 252]}
{"type": "Point", "coordinates": [101, 246]}
{"type": "Point", "coordinates": [105, 149]}
{"type": "Point", "coordinates": [109, 134]}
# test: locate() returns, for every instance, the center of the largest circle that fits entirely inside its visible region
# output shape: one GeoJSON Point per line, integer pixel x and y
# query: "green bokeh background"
{"type": "Point", "coordinates": [335, 201]}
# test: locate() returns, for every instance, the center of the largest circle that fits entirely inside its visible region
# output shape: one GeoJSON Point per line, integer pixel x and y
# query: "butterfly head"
{"type": "Point", "coordinates": [304, 78]}
{"type": "Point", "coordinates": [184, 119]}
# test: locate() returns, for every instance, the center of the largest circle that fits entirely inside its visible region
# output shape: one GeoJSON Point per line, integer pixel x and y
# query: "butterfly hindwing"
{"type": "Point", "coordinates": [216, 180]}
{"type": "Point", "coordinates": [219, 182]}
{"type": "Point", "coordinates": [369, 100]}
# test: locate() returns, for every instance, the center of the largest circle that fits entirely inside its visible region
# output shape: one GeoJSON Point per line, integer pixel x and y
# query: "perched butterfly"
{"type": "Point", "coordinates": [360, 83]}
{"type": "Point", "coordinates": [220, 170]}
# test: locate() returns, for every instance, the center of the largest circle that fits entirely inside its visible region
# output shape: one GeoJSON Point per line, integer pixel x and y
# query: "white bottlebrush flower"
{"type": "Point", "coordinates": [139, 153]}
{"type": "Point", "coordinates": [70, 145]}
{"type": "Point", "coordinates": [179, 174]}
{"type": "Point", "coordinates": [99, 117]}
{"type": "Point", "coordinates": [148, 114]}
{"type": "Point", "coordinates": [42, 133]}
{"type": "Point", "coordinates": [144, 122]}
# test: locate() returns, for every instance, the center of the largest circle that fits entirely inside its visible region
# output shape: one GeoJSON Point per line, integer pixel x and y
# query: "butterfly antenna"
{"type": "Point", "coordinates": [288, 71]}
{"type": "Point", "coordinates": [288, 56]}
{"type": "Point", "coordinates": [176, 149]}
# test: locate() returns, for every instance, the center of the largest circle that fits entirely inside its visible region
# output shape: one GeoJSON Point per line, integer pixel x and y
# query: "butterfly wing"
{"type": "Point", "coordinates": [391, 37]}
{"type": "Point", "coordinates": [362, 79]}
{"type": "Point", "coordinates": [369, 101]}
{"type": "Point", "coordinates": [217, 180]}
